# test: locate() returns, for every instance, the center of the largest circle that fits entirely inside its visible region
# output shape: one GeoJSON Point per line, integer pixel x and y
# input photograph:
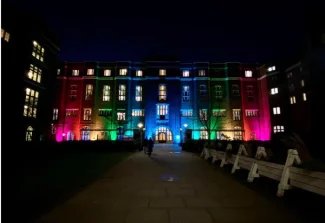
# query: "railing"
{"type": "Point", "coordinates": [287, 175]}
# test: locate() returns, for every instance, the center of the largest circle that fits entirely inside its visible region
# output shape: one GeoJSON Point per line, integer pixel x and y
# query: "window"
{"type": "Point", "coordinates": [203, 133]}
{"type": "Point", "coordinates": [87, 114]}
{"type": "Point", "coordinates": [236, 114]}
{"type": "Point", "coordinates": [186, 112]}
{"type": "Point", "coordinates": [201, 73]}
{"type": "Point", "coordinates": [34, 73]}
{"type": "Point", "coordinates": [278, 128]}
{"type": "Point", "coordinates": [38, 51]}
{"type": "Point", "coordinates": [106, 93]}
{"type": "Point", "coordinates": [75, 72]}
{"type": "Point", "coordinates": [304, 96]}
{"type": "Point", "coordinates": [138, 93]}
{"type": "Point", "coordinates": [139, 73]}
{"type": "Point", "coordinates": [292, 100]}
{"type": "Point", "coordinates": [89, 91]}
{"type": "Point", "coordinates": [137, 112]}
{"type": "Point", "coordinates": [162, 111]}
{"type": "Point", "coordinates": [85, 133]}
{"type": "Point", "coordinates": [73, 92]}
{"type": "Point", "coordinates": [55, 114]}
{"type": "Point", "coordinates": [123, 71]}
{"type": "Point", "coordinates": [218, 91]}
{"type": "Point", "coordinates": [302, 82]}
{"type": "Point", "coordinates": [186, 73]}
{"type": "Point", "coordinates": [105, 112]}
{"type": "Point", "coordinates": [219, 112]}
{"type": "Point", "coordinates": [289, 75]}
{"type": "Point", "coordinates": [162, 72]}
{"type": "Point", "coordinates": [250, 92]}
{"type": "Point", "coordinates": [276, 111]}
{"type": "Point", "coordinates": [29, 134]}
{"type": "Point", "coordinates": [186, 93]}
{"type": "Point", "coordinates": [291, 87]}
{"type": "Point", "coordinates": [121, 116]}
{"type": "Point", "coordinates": [269, 69]}
{"type": "Point", "coordinates": [238, 135]}
{"type": "Point", "coordinates": [248, 73]}
{"type": "Point", "coordinates": [121, 92]}
{"type": "Point", "coordinates": [31, 101]}
{"type": "Point", "coordinates": [5, 35]}
{"type": "Point", "coordinates": [251, 112]}
{"type": "Point", "coordinates": [58, 71]}
{"type": "Point", "coordinates": [235, 90]}
{"type": "Point", "coordinates": [203, 114]}
{"type": "Point", "coordinates": [162, 92]}
{"type": "Point", "coordinates": [107, 72]}
{"type": "Point", "coordinates": [203, 90]}
{"type": "Point", "coordinates": [163, 134]}
{"type": "Point", "coordinates": [90, 72]}
{"type": "Point", "coordinates": [72, 112]}
{"type": "Point", "coordinates": [274, 91]}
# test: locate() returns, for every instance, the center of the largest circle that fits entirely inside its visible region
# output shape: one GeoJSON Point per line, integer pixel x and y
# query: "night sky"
{"type": "Point", "coordinates": [226, 30]}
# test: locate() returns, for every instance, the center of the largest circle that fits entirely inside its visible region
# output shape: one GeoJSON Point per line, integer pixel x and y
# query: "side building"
{"type": "Point", "coordinates": [169, 101]}
{"type": "Point", "coordinates": [29, 62]}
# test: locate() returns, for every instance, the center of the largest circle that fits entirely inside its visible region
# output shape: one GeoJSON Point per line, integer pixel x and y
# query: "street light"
{"type": "Point", "coordinates": [185, 126]}
{"type": "Point", "coordinates": [140, 126]}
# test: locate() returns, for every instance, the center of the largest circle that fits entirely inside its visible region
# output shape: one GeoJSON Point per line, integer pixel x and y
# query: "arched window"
{"type": "Point", "coordinates": [163, 134]}
{"type": "Point", "coordinates": [29, 134]}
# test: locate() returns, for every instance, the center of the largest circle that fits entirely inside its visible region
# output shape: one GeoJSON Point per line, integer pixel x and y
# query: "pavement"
{"type": "Point", "coordinates": [170, 186]}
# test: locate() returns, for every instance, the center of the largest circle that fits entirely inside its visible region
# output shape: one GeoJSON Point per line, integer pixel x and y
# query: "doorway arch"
{"type": "Point", "coordinates": [163, 135]}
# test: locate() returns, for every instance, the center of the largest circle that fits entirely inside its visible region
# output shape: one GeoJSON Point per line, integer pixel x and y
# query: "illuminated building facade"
{"type": "Point", "coordinates": [29, 61]}
{"type": "Point", "coordinates": [174, 101]}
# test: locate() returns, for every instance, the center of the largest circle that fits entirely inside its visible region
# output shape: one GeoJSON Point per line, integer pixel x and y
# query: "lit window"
{"type": "Point", "coordinates": [55, 114]}
{"type": "Point", "coordinates": [187, 112]}
{"type": "Point", "coordinates": [34, 73]}
{"type": "Point", "coordinates": [203, 133]}
{"type": "Point", "coordinates": [162, 92]}
{"type": "Point", "coordinates": [235, 90]}
{"type": "Point", "coordinates": [121, 116]}
{"type": "Point", "coordinates": [89, 91]}
{"type": "Point", "coordinates": [107, 72]}
{"type": "Point", "coordinates": [85, 133]}
{"type": "Point", "coordinates": [278, 128]}
{"type": "Point", "coordinates": [201, 73]}
{"type": "Point", "coordinates": [186, 73]}
{"type": "Point", "coordinates": [292, 100]}
{"type": "Point", "coordinates": [29, 134]}
{"type": "Point", "coordinates": [163, 134]}
{"type": "Point", "coordinates": [75, 72]}
{"type": "Point", "coordinates": [248, 73]}
{"type": "Point", "coordinates": [87, 114]}
{"type": "Point", "coordinates": [238, 135]}
{"type": "Point", "coordinates": [105, 112]}
{"type": "Point", "coordinates": [162, 72]}
{"type": "Point", "coordinates": [203, 90]}
{"type": "Point", "coordinates": [271, 68]}
{"type": "Point", "coordinates": [203, 114]}
{"type": "Point", "coordinates": [58, 72]}
{"type": "Point", "coordinates": [138, 93]}
{"type": "Point", "coordinates": [137, 112]}
{"type": "Point", "coordinates": [71, 112]}
{"type": "Point", "coordinates": [2, 33]}
{"type": "Point", "coordinates": [121, 92]}
{"type": "Point", "coordinates": [162, 111]}
{"type": "Point", "coordinates": [274, 91]}
{"type": "Point", "coordinates": [236, 114]}
{"type": "Point", "coordinates": [5, 35]}
{"type": "Point", "coordinates": [304, 96]}
{"type": "Point", "coordinates": [218, 91]}
{"type": "Point", "coordinates": [123, 71]}
{"type": "Point", "coordinates": [38, 51]}
{"type": "Point", "coordinates": [251, 112]}
{"type": "Point", "coordinates": [90, 71]}
{"type": "Point", "coordinates": [219, 112]}
{"type": "Point", "coordinates": [186, 93]}
{"type": "Point", "coordinates": [302, 82]}
{"type": "Point", "coordinates": [31, 101]}
{"type": "Point", "coordinates": [106, 93]}
{"type": "Point", "coordinates": [276, 111]}
{"type": "Point", "coordinates": [139, 73]}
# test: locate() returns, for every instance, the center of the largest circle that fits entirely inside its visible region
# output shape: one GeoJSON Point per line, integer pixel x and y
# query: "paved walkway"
{"type": "Point", "coordinates": [171, 186]}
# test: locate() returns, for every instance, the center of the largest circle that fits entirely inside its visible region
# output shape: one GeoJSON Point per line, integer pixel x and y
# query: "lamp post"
{"type": "Point", "coordinates": [181, 135]}
{"type": "Point", "coordinates": [140, 126]}
{"type": "Point", "coordinates": [185, 126]}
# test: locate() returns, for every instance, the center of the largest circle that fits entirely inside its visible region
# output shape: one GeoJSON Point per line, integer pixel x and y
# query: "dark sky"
{"type": "Point", "coordinates": [224, 30]}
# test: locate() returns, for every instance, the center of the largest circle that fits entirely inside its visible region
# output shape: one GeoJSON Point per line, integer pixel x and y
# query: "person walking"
{"type": "Point", "coordinates": [150, 146]}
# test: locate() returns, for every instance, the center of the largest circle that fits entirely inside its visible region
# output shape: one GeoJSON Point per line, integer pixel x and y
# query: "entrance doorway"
{"type": "Point", "coordinates": [163, 135]}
